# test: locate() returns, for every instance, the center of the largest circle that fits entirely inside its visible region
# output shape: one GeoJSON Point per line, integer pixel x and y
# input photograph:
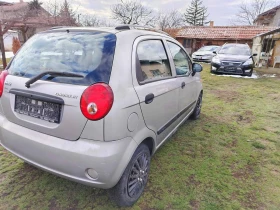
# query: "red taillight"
{"type": "Point", "coordinates": [2, 81]}
{"type": "Point", "coordinates": [97, 101]}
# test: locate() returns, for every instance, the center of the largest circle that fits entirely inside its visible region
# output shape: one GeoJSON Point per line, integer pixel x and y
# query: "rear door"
{"type": "Point", "coordinates": [52, 104]}
{"type": "Point", "coordinates": [156, 86]}
{"type": "Point", "coordinates": [183, 67]}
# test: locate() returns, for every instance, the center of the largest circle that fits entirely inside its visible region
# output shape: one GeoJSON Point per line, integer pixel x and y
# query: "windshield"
{"type": "Point", "coordinates": [89, 54]}
{"type": "Point", "coordinates": [235, 50]}
{"type": "Point", "coordinates": [208, 48]}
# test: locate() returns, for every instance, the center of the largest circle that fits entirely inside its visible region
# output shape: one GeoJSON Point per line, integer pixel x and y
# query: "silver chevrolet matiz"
{"type": "Point", "coordinates": [94, 104]}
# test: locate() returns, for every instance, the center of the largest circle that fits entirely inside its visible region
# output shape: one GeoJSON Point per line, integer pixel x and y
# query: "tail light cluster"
{"type": "Point", "coordinates": [3, 76]}
{"type": "Point", "coordinates": [97, 101]}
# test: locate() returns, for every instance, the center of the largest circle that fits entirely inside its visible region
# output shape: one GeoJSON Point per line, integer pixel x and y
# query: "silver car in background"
{"type": "Point", "coordinates": [94, 104]}
{"type": "Point", "coordinates": [205, 54]}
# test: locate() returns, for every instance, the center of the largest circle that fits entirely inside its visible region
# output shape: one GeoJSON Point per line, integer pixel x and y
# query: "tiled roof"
{"type": "Point", "coordinates": [277, 30]}
{"type": "Point", "coordinates": [222, 32]}
{"type": "Point", "coordinates": [4, 3]}
{"type": "Point", "coordinates": [14, 6]}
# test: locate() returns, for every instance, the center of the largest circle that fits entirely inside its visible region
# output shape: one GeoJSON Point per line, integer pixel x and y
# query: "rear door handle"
{"type": "Point", "coordinates": [149, 98]}
{"type": "Point", "coordinates": [183, 85]}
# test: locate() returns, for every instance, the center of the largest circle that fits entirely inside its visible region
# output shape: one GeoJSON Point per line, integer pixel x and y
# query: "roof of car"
{"type": "Point", "coordinates": [211, 46]}
{"type": "Point", "coordinates": [236, 44]}
{"type": "Point", "coordinates": [114, 30]}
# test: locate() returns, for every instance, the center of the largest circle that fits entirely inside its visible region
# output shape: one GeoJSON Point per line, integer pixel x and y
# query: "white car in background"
{"type": "Point", "coordinates": [205, 54]}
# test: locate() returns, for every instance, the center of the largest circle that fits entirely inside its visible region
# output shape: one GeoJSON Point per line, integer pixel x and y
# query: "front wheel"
{"type": "Point", "coordinates": [197, 110]}
{"type": "Point", "coordinates": [249, 74]}
{"type": "Point", "coordinates": [212, 72]}
{"type": "Point", "coordinates": [134, 179]}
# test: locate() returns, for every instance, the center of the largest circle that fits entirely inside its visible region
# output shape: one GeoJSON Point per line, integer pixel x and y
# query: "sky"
{"type": "Point", "coordinates": [220, 11]}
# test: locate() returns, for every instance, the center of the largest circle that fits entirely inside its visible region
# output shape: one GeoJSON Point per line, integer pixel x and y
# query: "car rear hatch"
{"type": "Point", "coordinates": [51, 105]}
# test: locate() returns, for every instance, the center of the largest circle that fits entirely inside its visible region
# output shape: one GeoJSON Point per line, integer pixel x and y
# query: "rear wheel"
{"type": "Point", "coordinates": [134, 179]}
{"type": "Point", "coordinates": [197, 110]}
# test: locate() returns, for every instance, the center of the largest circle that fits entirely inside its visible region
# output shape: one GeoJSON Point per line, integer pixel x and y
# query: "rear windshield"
{"type": "Point", "coordinates": [89, 54]}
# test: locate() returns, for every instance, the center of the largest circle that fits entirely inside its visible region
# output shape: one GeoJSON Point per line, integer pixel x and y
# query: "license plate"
{"type": "Point", "coordinates": [43, 110]}
{"type": "Point", "coordinates": [230, 68]}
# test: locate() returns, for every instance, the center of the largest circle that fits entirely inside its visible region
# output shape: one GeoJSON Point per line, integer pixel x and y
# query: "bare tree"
{"type": "Point", "coordinates": [67, 14]}
{"type": "Point", "coordinates": [248, 12]}
{"type": "Point", "coordinates": [52, 7]}
{"type": "Point", "coordinates": [133, 12]}
{"type": "Point", "coordinates": [94, 21]}
{"type": "Point", "coordinates": [22, 19]}
{"type": "Point", "coordinates": [90, 20]}
{"type": "Point", "coordinates": [170, 20]}
{"type": "Point", "coordinates": [63, 13]}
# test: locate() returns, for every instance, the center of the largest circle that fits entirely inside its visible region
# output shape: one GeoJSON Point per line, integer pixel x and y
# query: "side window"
{"type": "Point", "coordinates": [181, 59]}
{"type": "Point", "coordinates": [153, 60]}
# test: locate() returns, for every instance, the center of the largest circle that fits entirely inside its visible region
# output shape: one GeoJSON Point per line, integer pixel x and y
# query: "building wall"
{"type": "Point", "coordinates": [276, 50]}
{"type": "Point", "coordinates": [8, 40]}
{"type": "Point", "coordinates": [197, 43]}
{"type": "Point", "coordinates": [257, 48]}
{"type": "Point", "coordinates": [276, 19]}
{"type": "Point", "coordinates": [269, 20]}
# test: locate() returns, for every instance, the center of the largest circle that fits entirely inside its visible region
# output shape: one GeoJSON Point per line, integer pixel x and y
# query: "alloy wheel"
{"type": "Point", "coordinates": [138, 176]}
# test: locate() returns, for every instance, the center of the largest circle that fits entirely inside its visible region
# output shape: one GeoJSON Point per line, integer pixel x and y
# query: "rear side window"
{"type": "Point", "coordinates": [181, 59]}
{"type": "Point", "coordinates": [153, 61]}
{"type": "Point", "coordinates": [89, 54]}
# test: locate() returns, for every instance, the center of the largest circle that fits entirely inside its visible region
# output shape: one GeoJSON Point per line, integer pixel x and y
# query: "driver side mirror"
{"type": "Point", "coordinates": [215, 52]}
{"type": "Point", "coordinates": [196, 68]}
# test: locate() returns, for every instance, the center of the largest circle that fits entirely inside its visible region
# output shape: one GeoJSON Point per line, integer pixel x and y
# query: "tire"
{"type": "Point", "coordinates": [249, 74]}
{"type": "Point", "coordinates": [212, 72]}
{"type": "Point", "coordinates": [135, 174]}
{"type": "Point", "coordinates": [197, 110]}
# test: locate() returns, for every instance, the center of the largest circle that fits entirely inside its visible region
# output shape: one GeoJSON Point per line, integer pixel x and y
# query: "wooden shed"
{"type": "Point", "coordinates": [267, 46]}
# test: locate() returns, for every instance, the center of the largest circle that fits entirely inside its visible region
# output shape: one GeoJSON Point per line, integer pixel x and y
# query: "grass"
{"type": "Point", "coordinates": [258, 145]}
{"type": "Point", "coordinates": [228, 159]}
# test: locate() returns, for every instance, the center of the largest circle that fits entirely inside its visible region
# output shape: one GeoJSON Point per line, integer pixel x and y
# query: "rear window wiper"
{"type": "Point", "coordinates": [53, 74]}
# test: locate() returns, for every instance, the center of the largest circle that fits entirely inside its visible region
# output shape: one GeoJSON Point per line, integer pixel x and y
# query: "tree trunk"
{"type": "Point", "coordinates": [23, 32]}
{"type": "Point", "coordinates": [3, 51]}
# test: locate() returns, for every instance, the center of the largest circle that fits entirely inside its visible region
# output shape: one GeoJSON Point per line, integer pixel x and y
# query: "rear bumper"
{"type": "Point", "coordinates": [69, 159]}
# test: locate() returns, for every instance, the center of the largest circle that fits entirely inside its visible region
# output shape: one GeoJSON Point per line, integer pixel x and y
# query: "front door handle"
{"type": "Point", "coordinates": [183, 85]}
{"type": "Point", "coordinates": [149, 98]}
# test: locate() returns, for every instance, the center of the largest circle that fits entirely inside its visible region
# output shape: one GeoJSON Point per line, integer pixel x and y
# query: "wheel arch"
{"type": "Point", "coordinates": [150, 143]}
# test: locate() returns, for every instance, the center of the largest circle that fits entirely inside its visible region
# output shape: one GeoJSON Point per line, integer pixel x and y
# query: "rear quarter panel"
{"type": "Point", "coordinates": [125, 118]}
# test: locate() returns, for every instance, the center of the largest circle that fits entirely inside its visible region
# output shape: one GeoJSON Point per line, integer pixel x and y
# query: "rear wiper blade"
{"type": "Point", "coordinates": [53, 74]}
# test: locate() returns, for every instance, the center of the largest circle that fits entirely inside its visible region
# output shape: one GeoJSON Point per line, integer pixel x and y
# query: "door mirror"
{"type": "Point", "coordinates": [255, 54]}
{"type": "Point", "coordinates": [215, 52]}
{"type": "Point", "coordinates": [196, 68]}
